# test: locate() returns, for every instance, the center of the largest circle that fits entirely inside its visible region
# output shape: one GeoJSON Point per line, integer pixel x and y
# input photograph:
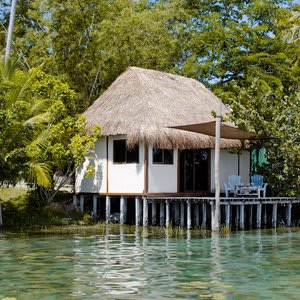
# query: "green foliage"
{"type": "Point", "coordinates": [246, 51]}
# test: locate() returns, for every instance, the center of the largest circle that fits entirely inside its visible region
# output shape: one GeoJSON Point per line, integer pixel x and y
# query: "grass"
{"type": "Point", "coordinates": [7, 194]}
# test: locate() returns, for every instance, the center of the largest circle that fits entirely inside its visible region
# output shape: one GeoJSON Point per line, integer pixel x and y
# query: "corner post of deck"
{"type": "Point", "coordinates": [289, 214]}
{"type": "Point", "coordinates": [227, 214]}
{"type": "Point", "coordinates": [81, 202]}
{"type": "Point", "coordinates": [145, 212]}
{"type": "Point", "coordinates": [107, 209]}
{"type": "Point", "coordinates": [213, 207]}
{"type": "Point", "coordinates": [161, 214]}
{"type": "Point", "coordinates": [167, 214]}
{"type": "Point", "coordinates": [153, 213]}
{"type": "Point", "coordinates": [258, 215]}
{"type": "Point", "coordinates": [138, 211]}
{"type": "Point", "coordinates": [95, 198]}
{"type": "Point", "coordinates": [189, 213]}
{"type": "Point", "coordinates": [182, 214]}
{"type": "Point", "coordinates": [274, 215]}
{"type": "Point", "coordinates": [123, 210]}
{"type": "Point", "coordinates": [242, 216]}
{"type": "Point", "coordinates": [203, 225]}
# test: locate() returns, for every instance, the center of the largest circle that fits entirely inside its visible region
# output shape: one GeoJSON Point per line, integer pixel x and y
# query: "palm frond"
{"type": "Point", "coordinates": [38, 119]}
{"type": "Point", "coordinates": [39, 173]}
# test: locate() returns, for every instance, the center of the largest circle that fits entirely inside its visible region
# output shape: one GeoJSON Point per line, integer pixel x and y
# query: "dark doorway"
{"type": "Point", "coordinates": [195, 171]}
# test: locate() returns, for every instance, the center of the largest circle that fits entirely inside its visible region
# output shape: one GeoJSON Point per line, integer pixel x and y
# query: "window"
{"type": "Point", "coordinates": [162, 156]}
{"type": "Point", "coordinates": [124, 155]}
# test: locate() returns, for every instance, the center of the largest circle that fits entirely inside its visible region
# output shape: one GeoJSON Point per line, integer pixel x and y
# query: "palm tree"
{"type": "Point", "coordinates": [26, 119]}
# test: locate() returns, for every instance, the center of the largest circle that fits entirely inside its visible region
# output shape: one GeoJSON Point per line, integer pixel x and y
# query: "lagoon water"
{"type": "Point", "coordinates": [141, 265]}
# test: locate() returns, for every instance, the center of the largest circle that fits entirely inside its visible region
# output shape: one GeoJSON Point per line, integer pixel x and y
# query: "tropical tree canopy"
{"type": "Point", "coordinates": [247, 52]}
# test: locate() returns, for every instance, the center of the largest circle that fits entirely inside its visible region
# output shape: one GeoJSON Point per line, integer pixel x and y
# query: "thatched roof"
{"type": "Point", "coordinates": [142, 103]}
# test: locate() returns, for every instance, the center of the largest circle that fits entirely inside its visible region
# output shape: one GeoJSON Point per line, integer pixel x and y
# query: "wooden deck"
{"type": "Point", "coordinates": [196, 212]}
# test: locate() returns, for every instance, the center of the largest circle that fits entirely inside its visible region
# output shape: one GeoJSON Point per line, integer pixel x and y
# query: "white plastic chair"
{"type": "Point", "coordinates": [232, 182]}
{"type": "Point", "coordinates": [258, 180]}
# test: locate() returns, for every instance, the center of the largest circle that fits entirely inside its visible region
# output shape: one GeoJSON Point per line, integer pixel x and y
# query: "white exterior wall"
{"type": "Point", "coordinates": [97, 182]}
{"type": "Point", "coordinates": [162, 178]}
{"type": "Point", "coordinates": [229, 166]}
{"type": "Point", "coordinates": [125, 178]}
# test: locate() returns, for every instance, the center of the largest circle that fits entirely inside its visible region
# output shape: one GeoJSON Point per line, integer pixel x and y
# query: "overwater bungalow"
{"type": "Point", "coordinates": [138, 156]}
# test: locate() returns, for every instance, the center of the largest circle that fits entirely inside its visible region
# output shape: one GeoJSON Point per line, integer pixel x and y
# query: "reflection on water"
{"type": "Point", "coordinates": [255, 265]}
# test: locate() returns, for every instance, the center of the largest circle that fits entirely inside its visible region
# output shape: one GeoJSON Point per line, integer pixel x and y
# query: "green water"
{"type": "Point", "coordinates": [243, 265]}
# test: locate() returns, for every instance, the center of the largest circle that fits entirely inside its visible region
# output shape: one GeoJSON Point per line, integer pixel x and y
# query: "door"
{"type": "Point", "coordinates": [195, 171]}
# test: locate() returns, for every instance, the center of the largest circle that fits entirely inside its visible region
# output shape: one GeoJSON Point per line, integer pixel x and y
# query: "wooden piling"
{"type": "Point", "coordinates": [145, 212]}
{"type": "Point", "coordinates": [176, 213]}
{"type": "Point", "coordinates": [95, 198]}
{"type": "Point", "coordinates": [167, 214]}
{"type": "Point", "coordinates": [289, 214]}
{"type": "Point", "coordinates": [203, 225]}
{"type": "Point", "coordinates": [123, 210]}
{"type": "Point", "coordinates": [196, 215]}
{"type": "Point", "coordinates": [250, 215]}
{"type": "Point", "coordinates": [182, 214]}
{"type": "Point", "coordinates": [188, 215]}
{"type": "Point", "coordinates": [75, 201]}
{"type": "Point", "coordinates": [81, 203]}
{"type": "Point", "coordinates": [107, 209]}
{"type": "Point", "coordinates": [153, 213]}
{"type": "Point", "coordinates": [138, 211]}
{"type": "Point", "coordinates": [258, 215]}
{"type": "Point", "coordinates": [161, 214]}
{"type": "Point", "coordinates": [265, 215]}
{"type": "Point", "coordinates": [242, 216]}
{"type": "Point", "coordinates": [212, 206]}
{"type": "Point", "coordinates": [237, 216]}
{"type": "Point", "coordinates": [227, 215]}
{"type": "Point", "coordinates": [274, 215]}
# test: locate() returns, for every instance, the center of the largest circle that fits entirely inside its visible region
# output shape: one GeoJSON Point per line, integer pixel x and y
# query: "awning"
{"type": "Point", "coordinates": [227, 131]}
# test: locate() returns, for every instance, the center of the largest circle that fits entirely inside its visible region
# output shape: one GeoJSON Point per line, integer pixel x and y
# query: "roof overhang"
{"type": "Point", "coordinates": [227, 131]}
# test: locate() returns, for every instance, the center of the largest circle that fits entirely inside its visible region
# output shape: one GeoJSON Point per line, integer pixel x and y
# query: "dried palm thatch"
{"type": "Point", "coordinates": [142, 103]}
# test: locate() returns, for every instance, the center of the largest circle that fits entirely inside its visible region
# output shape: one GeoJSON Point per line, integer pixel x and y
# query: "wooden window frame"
{"type": "Point", "coordinates": [163, 157]}
{"type": "Point", "coordinates": [126, 154]}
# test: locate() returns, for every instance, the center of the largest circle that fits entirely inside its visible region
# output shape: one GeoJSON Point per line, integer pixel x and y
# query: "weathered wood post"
{"type": "Point", "coordinates": [213, 208]}
{"type": "Point", "coordinates": [81, 203]}
{"type": "Point", "coordinates": [123, 210]}
{"type": "Point", "coordinates": [289, 214]}
{"type": "Point", "coordinates": [176, 207]}
{"type": "Point", "coordinates": [196, 215]}
{"type": "Point", "coordinates": [242, 216]}
{"type": "Point", "coordinates": [250, 215]}
{"type": "Point", "coordinates": [167, 214]}
{"type": "Point", "coordinates": [216, 223]}
{"type": "Point", "coordinates": [265, 215]}
{"type": "Point", "coordinates": [274, 215]}
{"type": "Point", "coordinates": [237, 215]}
{"type": "Point", "coordinates": [182, 214]}
{"type": "Point", "coordinates": [227, 215]}
{"type": "Point", "coordinates": [258, 215]}
{"type": "Point", "coordinates": [138, 211]}
{"type": "Point", "coordinates": [107, 209]}
{"type": "Point", "coordinates": [145, 212]}
{"type": "Point", "coordinates": [161, 214]}
{"type": "Point", "coordinates": [188, 215]}
{"type": "Point", "coordinates": [203, 225]}
{"type": "Point", "coordinates": [95, 198]}
{"type": "Point", "coordinates": [153, 213]}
